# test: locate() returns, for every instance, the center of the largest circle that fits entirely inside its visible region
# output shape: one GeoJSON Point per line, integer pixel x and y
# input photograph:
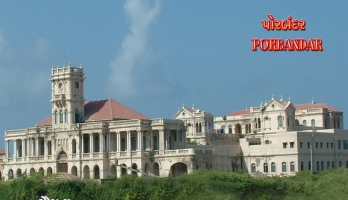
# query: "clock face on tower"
{"type": "Point", "coordinates": [76, 85]}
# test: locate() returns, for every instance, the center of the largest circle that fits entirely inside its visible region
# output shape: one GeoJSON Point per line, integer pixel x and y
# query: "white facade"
{"type": "Point", "coordinates": [97, 139]}
{"type": "Point", "coordinates": [279, 115]}
{"type": "Point", "coordinates": [199, 123]}
{"type": "Point", "coordinates": [285, 153]}
{"type": "Point", "coordinates": [279, 138]}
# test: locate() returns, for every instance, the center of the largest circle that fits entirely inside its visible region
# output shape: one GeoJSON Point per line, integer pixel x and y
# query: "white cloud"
{"type": "Point", "coordinates": [135, 47]}
{"type": "Point", "coordinates": [23, 70]}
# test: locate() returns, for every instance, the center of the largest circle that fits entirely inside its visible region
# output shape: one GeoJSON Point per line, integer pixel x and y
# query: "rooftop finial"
{"type": "Point", "coordinates": [313, 102]}
{"type": "Point", "coordinates": [265, 102]}
{"type": "Point", "coordinates": [69, 65]}
{"type": "Point", "coordinates": [193, 106]}
{"type": "Point", "coordinates": [281, 98]}
{"type": "Point", "coordinates": [289, 99]}
{"type": "Point", "coordinates": [52, 66]}
{"type": "Point", "coordinates": [183, 105]}
{"type": "Point", "coordinates": [81, 66]}
{"type": "Point", "coordinates": [272, 97]}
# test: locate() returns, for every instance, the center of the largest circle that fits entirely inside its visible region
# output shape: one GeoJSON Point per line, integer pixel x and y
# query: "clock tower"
{"type": "Point", "coordinates": [67, 97]}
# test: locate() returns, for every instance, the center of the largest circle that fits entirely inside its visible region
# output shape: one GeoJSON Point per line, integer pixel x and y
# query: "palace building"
{"type": "Point", "coordinates": [104, 139]}
{"type": "Point", "coordinates": [96, 139]}
{"type": "Point", "coordinates": [279, 138]}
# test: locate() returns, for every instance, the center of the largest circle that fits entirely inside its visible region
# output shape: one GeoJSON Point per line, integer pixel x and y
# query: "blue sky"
{"type": "Point", "coordinates": [153, 56]}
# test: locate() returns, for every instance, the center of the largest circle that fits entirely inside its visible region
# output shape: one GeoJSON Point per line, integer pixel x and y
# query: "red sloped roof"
{"type": "Point", "coordinates": [108, 109]}
{"type": "Point", "coordinates": [312, 106]}
{"type": "Point", "coordinates": [240, 112]}
{"type": "Point", "coordinates": [191, 110]}
{"type": "Point", "coordinates": [2, 151]}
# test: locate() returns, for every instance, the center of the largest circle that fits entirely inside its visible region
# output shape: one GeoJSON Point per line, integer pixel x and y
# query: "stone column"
{"type": "Point", "coordinates": [161, 137]}
{"type": "Point", "coordinates": [54, 146]}
{"type": "Point", "coordinates": [7, 149]}
{"type": "Point", "coordinates": [82, 145]}
{"type": "Point", "coordinates": [177, 139]}
{"type": "Point", "coordinates": [140, 143]}
{"type": "Point", "coordinates": [151, 141]}
{"type": "Point", "coordinates": [23, 148]}
{"type": "Point", "coordinates": [101, 142]}
{"type": "Point", "coordinates": [129, 141]}
{"type": "Point", "coordinates": [166, 139]}
{"type": "Point", "coordinates": [91, 150]}
{"type": "Point", "coordinates": [108, 148]}
{"type": "Point", "coordinates": [14, 149]}
{"type": "Point", "coordinates": [45, 148]}
{"type": "Point", "coordinates": [118, 141]}
{"type": "Point", "coordinates": [37, 146]}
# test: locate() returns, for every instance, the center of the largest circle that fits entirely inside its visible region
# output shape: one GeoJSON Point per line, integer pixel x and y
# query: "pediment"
{"type": "Point", "coordinates": [183, 114]}
{"type": "Point", "coordinates": [274, 105]}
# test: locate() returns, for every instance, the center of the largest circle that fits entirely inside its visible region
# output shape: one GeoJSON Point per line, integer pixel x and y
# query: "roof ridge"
{"type": "Point", "coordinates": [112, 114]}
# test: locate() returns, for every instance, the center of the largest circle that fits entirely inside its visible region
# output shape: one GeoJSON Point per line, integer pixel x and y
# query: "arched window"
{"type": "Point", "coordinates": [280, 121]}
{"type": "Point", "coordinates": [346, 164]}
{"type": "Point", "coordinates": [292, 167]}
{"type": "Point", "coordinates": [66, 116]}
{"type": "Point", "coordinates": [55, 117]}
{"type": "Point", "coordinates": [265, 167]}
{"type": "Point", "coordinates": [313, 123]}
{"type": "Point", "coordinates": [297, 122]}
{"type": "Point", "coordinates": [273, 167]}
{"type": "Point", "coordinates": [283, 166]}
{"type": "Point", "coordinates": [230, 129]}
{"type": "Point", "coordinates": [133, 144]}
{"type": "Point", "coordinates": [340, 164]}
{"type": "Point", "coordinates": [304, 123]}
{"type": "Point", "coordinates": [61, 116]}
{"type": "Point", "coordinates": [222, 129]}
{"type": "Point", "coordinates": [253, 168]}
{"type": "Point", "coordinates": [322, 165]}
{"type": "Point", "coordinates": [49, 147]}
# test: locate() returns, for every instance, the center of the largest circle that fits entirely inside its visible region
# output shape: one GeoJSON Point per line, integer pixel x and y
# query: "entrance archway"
{"type": "Point", "coordinates": [123, 169]}
{"type": "Point", "coordinates": [134, 169]}
{"type": "Point", "coordinates": [86, 172]}
{"type": "Point", "coordinates": [178, 169]}
{"type": "Point", "coordinates": [156, 169]}
{"type": "Point", "coordinates": [62, 162]}
{"type": "Point", "coordinates": [74, 170]}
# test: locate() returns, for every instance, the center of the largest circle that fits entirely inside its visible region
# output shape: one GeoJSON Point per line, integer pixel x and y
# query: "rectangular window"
{"type": "Point", "coordinates": [301, 165]}
{"type": "Point", "coordinates": [321, 145]}
{"type": "Point", "coordinates": [333, 164]}
{"type": "Point", "coordinates": [327, 145]}
{"type": "Point", "coordinates": [301, 144]}
{"type": "Point", "coordinates": [318, 169]}
{"type": "Point", "coordinates": [285, 145]}
{"type": "Point", "coordinates": [309, 145]}
{"type": "Point", "coordinates": [316, 145]}
{"type": "Point", "coordinates": [292, 144]}
{"type": "Point", "coordinates": [331, 145]}
{"type": "Point", "coordinates": [339, 144]}
{"type": "Point", "coordinates": [345, 144]}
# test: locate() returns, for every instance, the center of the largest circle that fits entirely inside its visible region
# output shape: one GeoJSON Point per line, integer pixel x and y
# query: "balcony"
{"type": "Point", "coordinates": [59, 97]}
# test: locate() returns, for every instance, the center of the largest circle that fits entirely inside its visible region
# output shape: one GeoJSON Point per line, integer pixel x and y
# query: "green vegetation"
{"type": "Point", "coordinates": [331, 184]}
